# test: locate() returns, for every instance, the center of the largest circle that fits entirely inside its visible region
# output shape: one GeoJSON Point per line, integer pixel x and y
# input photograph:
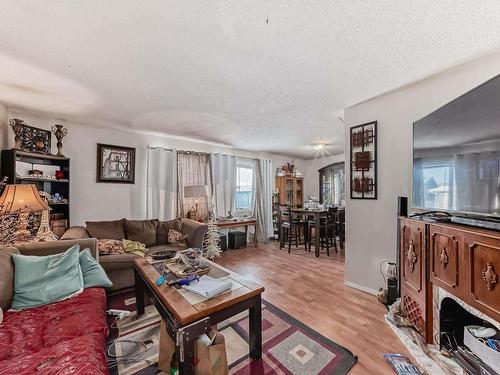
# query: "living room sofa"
{"type": "Point", "coordinates": [153, 233]}
{"type": "Point", "coordinates": [65, 337]}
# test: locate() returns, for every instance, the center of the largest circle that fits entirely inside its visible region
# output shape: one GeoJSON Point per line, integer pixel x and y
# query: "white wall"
{"type": "Point", "coordinates": [101, 201]}
{"type": "Point", "coordinates": [311, 175]}
{"type": "Point", "coordinates": [371, 224]}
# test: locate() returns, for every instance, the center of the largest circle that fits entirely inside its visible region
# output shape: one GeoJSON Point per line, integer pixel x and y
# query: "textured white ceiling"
{"type": "Point", "coordinates": [256, 75]}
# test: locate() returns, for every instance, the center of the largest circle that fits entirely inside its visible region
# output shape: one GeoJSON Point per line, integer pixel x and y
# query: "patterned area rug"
{"type": "Point", "coordinates": [289, 346]}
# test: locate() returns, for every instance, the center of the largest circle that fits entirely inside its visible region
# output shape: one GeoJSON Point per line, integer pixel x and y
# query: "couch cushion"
{"type": "Point", "coordinates": [117, 262]}
{"type": "Point", "coordinates": [143, 231]}
{"type": "Point", "coordinates": [39, 280]}
{"type": "Point", "coordinates": [83, 355]}
{"type": "Point", "coordinates": [6, 276]}
{"type": "Point", "coordinates": [164, 227]}
{"type": "Point", "coordinates": [31, 330]}
{"type": "Point", "coordinates": [106, 229]}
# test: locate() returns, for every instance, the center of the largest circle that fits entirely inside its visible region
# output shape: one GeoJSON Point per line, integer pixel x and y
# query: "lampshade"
{"type": "Point", "coordinates": [195, 191]}
{"type": "Point", "coordinates": [21, 197]}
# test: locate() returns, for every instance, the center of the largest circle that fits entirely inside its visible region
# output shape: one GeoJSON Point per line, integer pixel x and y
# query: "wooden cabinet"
{"type": "Point", "coordinates": [415, 288]}
{"type": "Point", "coordinates": [483, 270]}
{"type": "Point", "coordinates": [291, 191]}
{"type": "Point", "coordinates": [465, 261]}
{"type": "Point", "coordinates": [446, 256]}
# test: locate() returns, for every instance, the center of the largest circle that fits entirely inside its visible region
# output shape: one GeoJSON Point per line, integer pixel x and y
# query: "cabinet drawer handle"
{"type": "Point", "coordinates": [443, 257]}
{"type": "Point", "coordinates": [411, 256]}
{"type": "Point", "coordinates": [489, 276]}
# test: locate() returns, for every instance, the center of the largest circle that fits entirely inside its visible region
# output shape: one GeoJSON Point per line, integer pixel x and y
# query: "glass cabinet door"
{"type": "Point", "coordinates": [332, 184]}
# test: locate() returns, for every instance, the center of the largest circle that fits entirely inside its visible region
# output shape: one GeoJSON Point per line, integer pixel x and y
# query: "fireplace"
{"type": "Point", "coordinates": [453, 318]}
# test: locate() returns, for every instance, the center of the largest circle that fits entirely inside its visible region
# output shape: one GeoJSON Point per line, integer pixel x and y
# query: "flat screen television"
{"type": "Point", "coordinates": [456, 155]}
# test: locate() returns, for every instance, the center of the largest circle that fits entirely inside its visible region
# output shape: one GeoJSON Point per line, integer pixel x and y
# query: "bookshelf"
{"type": "Point", "coordinates": [15, 163]}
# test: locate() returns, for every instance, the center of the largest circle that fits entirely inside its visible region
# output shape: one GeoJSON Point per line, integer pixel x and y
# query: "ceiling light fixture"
{"type": "Point", "coordinates": [318, 146]}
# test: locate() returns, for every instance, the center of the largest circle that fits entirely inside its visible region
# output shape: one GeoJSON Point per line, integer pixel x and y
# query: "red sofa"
{"type": "Point", "coordinates": [66, 337]}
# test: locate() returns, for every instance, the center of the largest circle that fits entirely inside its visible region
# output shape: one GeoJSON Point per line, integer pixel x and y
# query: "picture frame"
{"type": "Point", "coordinates": [115, 164]}
{"type": "Point", "coordinates": [363, 162]}
{"type": "Point", "coordinates": [35, 139]}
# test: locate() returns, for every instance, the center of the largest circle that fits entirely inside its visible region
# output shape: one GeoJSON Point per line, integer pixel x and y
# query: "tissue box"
{"type": "Point", "coordinates": [488, 355]}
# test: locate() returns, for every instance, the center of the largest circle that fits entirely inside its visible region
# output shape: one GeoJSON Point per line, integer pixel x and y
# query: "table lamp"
{"type": "Point", "coordinates": [24, 199]}
{"type": "Point", "coordinates": [197, 192]}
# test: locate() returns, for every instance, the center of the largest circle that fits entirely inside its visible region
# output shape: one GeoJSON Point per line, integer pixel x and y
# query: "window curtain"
{"type": "Point", "coordinates": [264, 199]}
{"type": "Point", "coordinates": [223, 183]}
{"type": "Point", "coordinates": [193, 168]}
{"type": "Point", "coordinates": [161, 190]}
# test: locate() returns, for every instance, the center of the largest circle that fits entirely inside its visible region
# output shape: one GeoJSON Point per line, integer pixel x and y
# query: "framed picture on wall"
{"type": "Point", "coordinates": [115, 164]}
{"type": "Point", "coordinates": [364, 161]}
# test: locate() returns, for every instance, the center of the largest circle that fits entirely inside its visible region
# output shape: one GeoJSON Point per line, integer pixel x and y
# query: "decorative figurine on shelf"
{"type": "Point", "coordinates": [211, 243]}
{"type": "Point", "coordinates": [18, 126]}
{"type": "Point", "coordinates": [44, 232]}
{"type": "Point", "coordinates": [59, 131]}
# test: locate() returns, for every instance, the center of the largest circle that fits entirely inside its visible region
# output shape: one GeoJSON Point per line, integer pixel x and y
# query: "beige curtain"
{"type": "Point", "coordinates": [193, 168]}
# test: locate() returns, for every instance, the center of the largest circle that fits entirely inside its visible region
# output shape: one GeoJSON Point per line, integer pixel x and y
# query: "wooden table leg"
{"type": "Point", "coordinates": [255, 243]}
{"type": "Point", "coordinates": [255, 329]}
{"type": "Point", "coordinates": [139, 293]}
{"type": "Point", "coordinates": [246, 234]}
{"type": "Point", "coordinates": [317, 218]}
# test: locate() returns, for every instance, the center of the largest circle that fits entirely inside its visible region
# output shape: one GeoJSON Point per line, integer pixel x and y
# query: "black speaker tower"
{"type": "Point", "coordinates": [402, 212]}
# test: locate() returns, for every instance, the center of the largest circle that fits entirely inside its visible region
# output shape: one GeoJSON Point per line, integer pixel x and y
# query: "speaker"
{"type": "Point", "coordinates": [402, 212]}
{"type": "Point", "coordinates": [402, 206]}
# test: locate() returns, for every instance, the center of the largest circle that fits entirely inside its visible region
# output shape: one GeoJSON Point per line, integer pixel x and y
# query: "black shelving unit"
{"type": "Point", "coordinates": [9, 162]}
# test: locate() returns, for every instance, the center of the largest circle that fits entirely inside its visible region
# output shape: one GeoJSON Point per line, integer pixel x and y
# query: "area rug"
{"type": "Point", "coordinates": [289, 346]}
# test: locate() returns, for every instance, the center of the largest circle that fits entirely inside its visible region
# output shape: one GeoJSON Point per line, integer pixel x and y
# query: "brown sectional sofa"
{"type": "Point", "coordinates": [152, 233]}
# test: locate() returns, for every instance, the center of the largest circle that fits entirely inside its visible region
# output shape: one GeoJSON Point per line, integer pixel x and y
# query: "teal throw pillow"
{"type": "Point", "coordinates": [39, 280]}
{"type": "Point", "coordinates": [93, 273]}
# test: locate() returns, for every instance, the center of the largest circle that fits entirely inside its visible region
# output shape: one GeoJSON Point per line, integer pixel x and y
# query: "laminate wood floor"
{"type": "Point", "coordinates": [312, 290]}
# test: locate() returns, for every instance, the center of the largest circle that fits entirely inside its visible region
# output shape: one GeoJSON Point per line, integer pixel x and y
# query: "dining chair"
{"type": "Point", "coordinates": [340, 226]}
{"type": "Point", "coordinates": [327, 230]}
{"type": "Point", "coordinates": [289, 228]}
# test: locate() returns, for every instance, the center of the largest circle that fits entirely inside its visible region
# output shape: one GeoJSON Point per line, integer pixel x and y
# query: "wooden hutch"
{"type": "Point", "coordinates": [291, 191]}
{"type": "Point", "coordinates": [463, 260]}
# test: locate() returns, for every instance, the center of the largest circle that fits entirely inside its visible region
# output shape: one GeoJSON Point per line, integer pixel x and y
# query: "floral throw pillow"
{"type": "Point", "coordinates": [176, 238]}
{"type": "Point", "coordinates": [107, 247]}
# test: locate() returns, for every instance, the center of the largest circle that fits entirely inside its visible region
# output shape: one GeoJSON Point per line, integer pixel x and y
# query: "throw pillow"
{"type": "Point", "coordinates": [164, 227]}
{"type": "Point", "coordinates": [134, 247]}
{"type": "Point", "coordinates": [107, 247]}
{"type": "Point", "coordinates": [93, 273]}
{"type": "Point", "coordinates": [176, 238]}
{"type": "Point", "coordinates": [143, 231]}
{"type": "Point", "coordinates": [39, 280]}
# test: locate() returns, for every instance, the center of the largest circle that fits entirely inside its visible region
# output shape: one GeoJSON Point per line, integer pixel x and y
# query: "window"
{"type": "Point", "coordinates": [244, 186]}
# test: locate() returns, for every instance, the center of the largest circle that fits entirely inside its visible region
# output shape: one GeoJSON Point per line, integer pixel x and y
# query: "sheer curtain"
{"type": "Point", "coordinates": [264, 198]}
{"type": "Point", "coordinates": [161, 190]}
{"type": "Point", "coordinates": [193, 168]}
{"type": "Point", "coordinates": [223, 183]}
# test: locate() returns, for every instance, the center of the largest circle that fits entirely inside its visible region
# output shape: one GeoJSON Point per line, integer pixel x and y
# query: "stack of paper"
{"type": "Point", "coordinates": [208, 287]}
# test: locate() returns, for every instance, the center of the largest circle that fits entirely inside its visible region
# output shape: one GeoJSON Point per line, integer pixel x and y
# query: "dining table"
{"type": "Point", "coordinates": [316, 213]}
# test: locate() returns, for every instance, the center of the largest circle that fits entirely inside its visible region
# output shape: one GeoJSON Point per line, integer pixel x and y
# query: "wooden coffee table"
{"type": "Point", "coordinates": [186, 321]}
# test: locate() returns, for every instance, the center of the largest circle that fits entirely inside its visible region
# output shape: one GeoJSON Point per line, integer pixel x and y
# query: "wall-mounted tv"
{"type": "Point", "coordinates": [456, 155]}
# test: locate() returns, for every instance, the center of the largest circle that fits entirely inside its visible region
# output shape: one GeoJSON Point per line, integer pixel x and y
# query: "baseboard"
{"type": "Point", "coordinates": [361, 287]}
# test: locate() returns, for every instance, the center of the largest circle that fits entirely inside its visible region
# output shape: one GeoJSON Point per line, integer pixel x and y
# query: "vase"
{"type": "Point", "coordinates": [17, 125]}
{"type": "Point", "coordinates": [59, 131]}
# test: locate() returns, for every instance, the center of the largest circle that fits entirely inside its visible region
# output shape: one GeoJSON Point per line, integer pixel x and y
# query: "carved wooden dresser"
{"type": "Point", "coordinates": [465, 261]}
